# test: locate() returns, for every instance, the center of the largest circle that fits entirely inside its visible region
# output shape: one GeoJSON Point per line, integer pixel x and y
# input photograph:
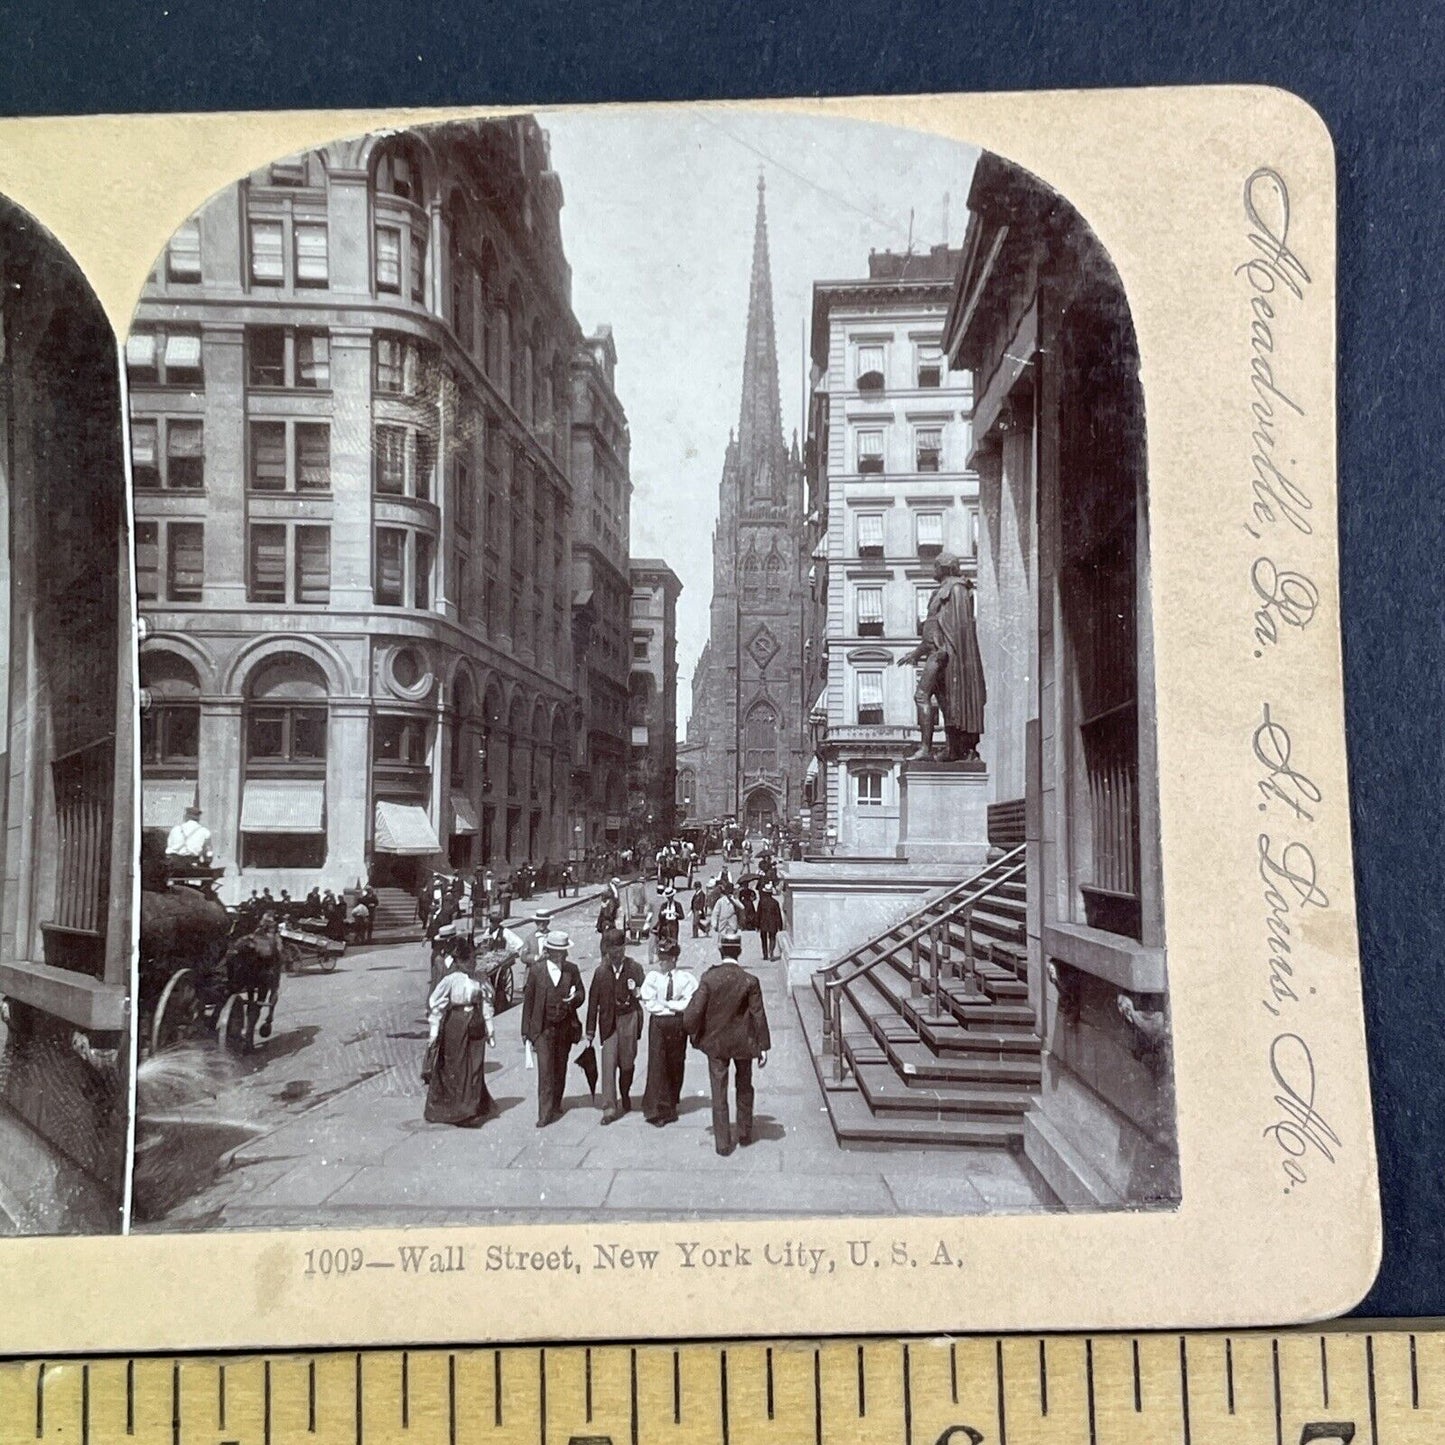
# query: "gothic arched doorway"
{"type": "Point", "coordinates": [760, 812]}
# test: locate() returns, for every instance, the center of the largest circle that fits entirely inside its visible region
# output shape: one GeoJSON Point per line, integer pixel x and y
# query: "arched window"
{"type": "Point", "coordinates": [286, 716]}
{"type": "Point", "coordinates": [752, 577]}
{"type": "Point", "coordinates": [283, 802]}
{"type": "Point", "coordinates": [461, 276]}
{"type": "Point", "coordinates": [170, 721]}
{"type": "Point", "coordinates": [398, 170]}
{"type": "Point", "coordinates": [760, 739]}
{"type": "Point", "coordinates": [517, 746]}
{"type": "Point", "coordinates": [493, 724]}
{"type": "Point", "coordinates": [774, 581]}
{"type": "Point", "coordinates": [465, 734]}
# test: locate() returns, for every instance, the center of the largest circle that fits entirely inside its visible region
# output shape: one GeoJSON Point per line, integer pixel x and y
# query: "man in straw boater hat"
{"type": "Point", "coordinates": [726, 1021]}
{"type": "Point", "coordinates": [952, 672]}
{"type": "Point", "coordinates": [550, 1001]}
{"type": "Point", "coordinates": [670, 915]}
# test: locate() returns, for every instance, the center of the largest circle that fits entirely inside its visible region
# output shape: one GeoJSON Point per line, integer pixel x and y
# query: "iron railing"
{"type": "Point", "coordinates": [934, 920]}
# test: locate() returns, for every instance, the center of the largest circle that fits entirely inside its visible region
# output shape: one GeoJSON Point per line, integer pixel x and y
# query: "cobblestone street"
{"type": "Point", "coordinates": [324, 1125]}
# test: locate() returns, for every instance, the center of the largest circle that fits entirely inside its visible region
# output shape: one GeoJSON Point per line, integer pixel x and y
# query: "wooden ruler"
{"type": "Point", "coordinates": [1381, 1387]}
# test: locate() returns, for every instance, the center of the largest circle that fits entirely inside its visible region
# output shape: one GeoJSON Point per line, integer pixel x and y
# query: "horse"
{"type": "Point", "coordinates": [253, 975]}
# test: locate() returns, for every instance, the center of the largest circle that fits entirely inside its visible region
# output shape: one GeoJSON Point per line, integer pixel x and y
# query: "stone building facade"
{"type": "Point", "coordinates": [652, 777]}
{"type": "Point", "coordinates": [1040, 319]}
{"type": "Point", "coordinates": [352, 382]}
{"type": "Point", "coordinates": [889, 488]}
{"type": "Point", "coordinates": [747, 690]}
{"type": "Point", "coordinates": [67, 699]}
{"type": "Point", "coordinates": [602, 595]}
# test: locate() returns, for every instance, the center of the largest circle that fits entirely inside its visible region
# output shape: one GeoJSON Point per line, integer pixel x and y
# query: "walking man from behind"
{"type": "Point", "coordinates": [726, 1020]}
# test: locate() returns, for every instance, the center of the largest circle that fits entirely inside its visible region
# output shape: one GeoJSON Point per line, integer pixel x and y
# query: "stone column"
{"type": "Point", "coordinates": [351, 524]}
{"type": "Point", "coordinates": [348, 791]}
{"type": "Point", "coordinates": [224, 419]}
{"type": "Point", "coordinates": [220, 781]}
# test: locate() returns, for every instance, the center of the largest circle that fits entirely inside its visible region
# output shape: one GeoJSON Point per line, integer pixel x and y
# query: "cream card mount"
{"type": "Point", "coordinates": [741, 701]}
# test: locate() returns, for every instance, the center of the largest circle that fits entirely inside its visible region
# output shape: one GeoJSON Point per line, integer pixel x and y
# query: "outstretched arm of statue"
{"type": "Point", "coordinates": [918, 655]}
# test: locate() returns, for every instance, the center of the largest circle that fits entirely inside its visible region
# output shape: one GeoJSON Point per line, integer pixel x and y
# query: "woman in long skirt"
{"type": "Point", "coordinates": [460, 1014]}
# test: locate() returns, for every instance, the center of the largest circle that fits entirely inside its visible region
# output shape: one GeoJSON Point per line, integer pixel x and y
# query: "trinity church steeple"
{"type": "Point", "coordinates": [747, 711]}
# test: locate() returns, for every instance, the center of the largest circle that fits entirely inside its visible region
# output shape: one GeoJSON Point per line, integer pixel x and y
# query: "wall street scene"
{"type": "Point", "coordinates": [646, 690]}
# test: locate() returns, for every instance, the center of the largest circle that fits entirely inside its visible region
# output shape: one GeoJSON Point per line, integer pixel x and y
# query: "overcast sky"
{"type": "Point", "coordinates": [658, 228]}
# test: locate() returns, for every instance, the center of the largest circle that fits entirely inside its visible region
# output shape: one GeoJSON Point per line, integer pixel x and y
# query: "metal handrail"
{"type": "Point", "coordinates": [965, 896]}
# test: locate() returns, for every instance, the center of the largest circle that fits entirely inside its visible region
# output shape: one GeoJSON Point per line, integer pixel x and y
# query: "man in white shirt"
{"type": "Point", "coordinates": [190, 841]}
{"type": "Point", "coordinates": [665, 994]}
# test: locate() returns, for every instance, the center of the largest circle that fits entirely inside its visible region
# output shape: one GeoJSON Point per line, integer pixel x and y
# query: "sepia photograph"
{"type": "Point", "coordinates": [646, 686]}
{"type": "Point", "coordinates": [67, 741]}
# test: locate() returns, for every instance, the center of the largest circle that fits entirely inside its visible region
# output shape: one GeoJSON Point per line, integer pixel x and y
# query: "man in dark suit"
{"type": "Point", "coordinates": [725, 1019]}
{"type": "Point", "coordinates": [614, 1014]}
{"type": "Point", "coordinates": [550, 1001]}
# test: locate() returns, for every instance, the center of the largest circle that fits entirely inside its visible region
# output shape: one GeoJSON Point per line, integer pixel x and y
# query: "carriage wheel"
{"type": "Point", "coordinates": [231, 1024]}
{"type": "Point", "coordinates": [502, 989]}
{"type": "Point", "coordinates": [327, 960]}
{"type": "Point", "coordinates": [177, 1012]}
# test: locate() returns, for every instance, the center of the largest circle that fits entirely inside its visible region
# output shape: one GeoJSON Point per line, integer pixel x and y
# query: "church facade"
{"type": "Point", "coordinates": [747, 731]}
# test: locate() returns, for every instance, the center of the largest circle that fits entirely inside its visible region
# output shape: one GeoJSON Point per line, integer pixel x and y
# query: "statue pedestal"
{"type": "Point", "coordinates": [943, 813]}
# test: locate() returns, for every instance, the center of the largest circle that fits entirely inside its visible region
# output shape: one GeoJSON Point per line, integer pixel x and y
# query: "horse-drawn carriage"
{"type": "Point", "coordinates": [200, 973]}
{"type": "Point", "coordinates": [303, 947]}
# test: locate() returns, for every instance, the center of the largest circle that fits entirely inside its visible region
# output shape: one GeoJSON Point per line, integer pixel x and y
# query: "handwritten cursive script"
{"type": "Point", "coordinates": [1299, 1131]}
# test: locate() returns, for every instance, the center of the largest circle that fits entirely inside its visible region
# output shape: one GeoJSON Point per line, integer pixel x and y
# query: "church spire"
{"type": "Point", "coordinates": [760, 426]}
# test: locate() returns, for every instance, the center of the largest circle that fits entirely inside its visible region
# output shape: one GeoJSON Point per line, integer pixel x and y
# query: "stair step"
{"type": "Point", "coordinates": [915, 1062]}
{"type": "Point", "coordinates": [855, 1123]}
{"type": "Point", "coordinates": [887, 1092]}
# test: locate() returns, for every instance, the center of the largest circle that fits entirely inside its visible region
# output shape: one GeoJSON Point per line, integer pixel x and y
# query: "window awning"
{"type": "Point", "coordinates": [164, 801]}
{"type": "Point", "coordinates": [404, 828]}
{"type": "Point", "coordinates": [819, 710]}
{"type": "Point", "coordinates": [811, 776]}
{"type": "Point", "coordinates": [283, 805]}
{"type": "Point", "coordinates": [464, 815]}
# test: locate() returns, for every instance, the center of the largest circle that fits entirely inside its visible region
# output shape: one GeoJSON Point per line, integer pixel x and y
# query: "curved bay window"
{"type": "Point", "coordinates": [399, 240]}
{"type": "Point", "coordinates": [285, 738]}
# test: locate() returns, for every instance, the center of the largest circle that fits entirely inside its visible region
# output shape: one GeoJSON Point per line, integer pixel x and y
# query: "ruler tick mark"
{"type": "Point", "coordinates": [1414, 1378]}
{"type": "Point", "coordinates": [632, 1394]}
{"type": "Point", "coordinates": [769, 1358]}
{"type": "Point", "coordinates": [1324, 1374]}
{"type": "Point", "coordinates": [998, 1371]}
{"type": "Point", "coordinates": [862, 1385]}
{"type": "Point", "coordinates": [497, 1388]}
{"type": "Point", "coordinates": [311, 1397]}
{"type": "Point", "coordinates": [1043, 1379]}
{"type": "Point", "coordinates": [1370, 1381]}
{"type": "Point", "coordinates": [1138, 1388]}
{"type": "Point", "coordinates": [266, 1392]}
{"type": "Point", "coordinates": [85, 1404]}
{"type": "Point", "coordinates": [1184, 1386]}
{"type": "Point", "coordinates": [817, 1398]}
{"type": "Point", "coordinates": [542, 1396]}
{"type": "Point", "coordinates": [130, 1397]}
{"type": "Point", "coordinates": [1278, 1404]}
{"type": "Point", "coordinates": [1229, 1372]}
{"type": "Point", "coordinates": [953, 1370]}
{"type": "Point", "coordinates": [40, 1401]}
{"type": "Point", "coordinates": [451, 1400]}
{"type": "Point", "coordinates": [907, 1397]}
{"type": "Point", "coordinates": [1089, 1383]}
{"type": "Point", "coordinates": [359, 1409]}
{"type": "Point", "coordinates": [406, 1388]}
{"type": "Point", "coordinates": [723, 1391]}
{"type": "Point", "coordinates": [176, 1404]}
{"type": "Point", "coordinates": [676, 1388]}
{"type": "Point", "coordinates": [587, 1384]}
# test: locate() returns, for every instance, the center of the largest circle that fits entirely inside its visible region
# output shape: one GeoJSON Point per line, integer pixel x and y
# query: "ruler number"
{"type": "Point", "coordinates": [1341, 1430]}
{"type": "Point", "coordinates": [957, 1434]}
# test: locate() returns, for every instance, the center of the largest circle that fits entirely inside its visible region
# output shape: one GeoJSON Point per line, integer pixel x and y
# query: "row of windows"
{"type": "Point", "coordinates": [927, 449]}
{"type": "Point", "coordinates": [928, 534]}
{"type": "Point", "coordinates": [871, 358]}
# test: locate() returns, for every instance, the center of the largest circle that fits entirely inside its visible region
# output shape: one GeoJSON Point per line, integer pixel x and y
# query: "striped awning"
{"type": "Point", "coordinates": [464, 815]}
{"type": "Point", "coordinates": [812, 773]}
{"type": "Point", "coordinates": [404, 828]}
{"type": "Point", "coordinates": [164, 801]}
{"type": "Point", "coordinates": [283, 805]}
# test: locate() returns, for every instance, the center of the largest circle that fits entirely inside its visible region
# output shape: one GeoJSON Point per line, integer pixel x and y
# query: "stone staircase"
{"type": "Point", "coordinates": [899, 1065]}
{"type": "Point", "coordinates": [395, 915]}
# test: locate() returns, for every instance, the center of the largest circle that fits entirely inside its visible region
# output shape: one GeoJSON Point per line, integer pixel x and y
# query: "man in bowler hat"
{"type": "Point", "coordinates": [726, 1020]}
{"type": "Point", "coordinates": [550, 1001]}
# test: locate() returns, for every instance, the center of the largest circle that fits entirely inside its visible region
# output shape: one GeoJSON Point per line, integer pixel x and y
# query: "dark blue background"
{"type": "Point", "coordinates": [1374, 72]}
